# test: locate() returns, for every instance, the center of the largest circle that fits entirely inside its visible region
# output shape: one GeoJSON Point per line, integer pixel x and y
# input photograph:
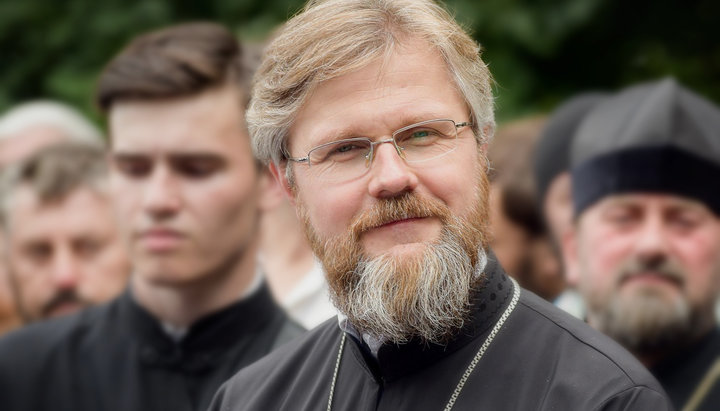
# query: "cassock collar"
{"type": "Point", "coordinates": [489, 301]}
{"type": "Point", "coordinates": [206, 339]}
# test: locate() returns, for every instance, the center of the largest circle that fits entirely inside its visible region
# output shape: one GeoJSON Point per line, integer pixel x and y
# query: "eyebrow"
{"type": "Point", "coordinates": [349, 130]}
{"type": "Point", "coordinates": [191, 155]}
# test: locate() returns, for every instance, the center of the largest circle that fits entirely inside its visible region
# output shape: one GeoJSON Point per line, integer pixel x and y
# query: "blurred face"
{"type": "Point", "coordinates": [63, 256]}
{"type": "Point", "coordinates": [14, 148]}
{"type": "Point", "coordinates": [392, 226]}
{"type": "Point", "coordinates": [649, 268]}
{"type": "Point", "coordinates": [186, 184]}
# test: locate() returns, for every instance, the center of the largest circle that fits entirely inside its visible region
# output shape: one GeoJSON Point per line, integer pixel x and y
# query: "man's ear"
{"type": "Point", "coordinates": [280, 175]}
{"type": "Point", "coordinates": [570, 253]}
{"type": "Point", "coordinates": [271, 194]}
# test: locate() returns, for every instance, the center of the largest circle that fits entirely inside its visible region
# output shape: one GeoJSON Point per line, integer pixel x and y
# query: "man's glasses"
{"type": "Point", "coordinates": [350, 158]}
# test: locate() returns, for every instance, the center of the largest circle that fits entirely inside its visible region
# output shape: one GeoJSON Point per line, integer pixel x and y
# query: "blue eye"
{"type": "Point", "coordinates": [345, 148]}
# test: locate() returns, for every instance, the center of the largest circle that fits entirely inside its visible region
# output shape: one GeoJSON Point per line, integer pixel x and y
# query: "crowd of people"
{"type": "Point", "coordinates": [340, 224]}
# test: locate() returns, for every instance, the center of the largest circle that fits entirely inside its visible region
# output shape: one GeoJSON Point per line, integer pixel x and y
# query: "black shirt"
{"type": "Point", "coordinates": [541, 359]}
{"type": "Point", "coordinates": [118, 357]}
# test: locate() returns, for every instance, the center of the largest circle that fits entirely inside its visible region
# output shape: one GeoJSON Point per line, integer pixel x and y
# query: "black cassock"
{"type": "Point", "coordinates": [692, 375]}
{"type": "Point", "coordinates": [118, 357]}
{"type": "Point", "coordinates": [541, 359]}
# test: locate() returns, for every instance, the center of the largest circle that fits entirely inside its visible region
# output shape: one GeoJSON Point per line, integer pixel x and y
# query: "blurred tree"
{"type": "Point", "coordinates": [540, 51]}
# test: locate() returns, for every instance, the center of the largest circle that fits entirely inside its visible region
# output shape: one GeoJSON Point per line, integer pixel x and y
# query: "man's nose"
{"type": "Point", "coordinates": [65, 270]}
{"type": "Point", "coordinates": [161, 193]}
{"type": "Point", "coordinates": [652, 242]}
{"type": "Point", "coordinates": [390, 174]}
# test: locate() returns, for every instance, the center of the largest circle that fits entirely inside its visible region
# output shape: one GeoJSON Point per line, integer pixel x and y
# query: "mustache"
{"type": "Point", "coordinates": [61, 298]}
{"type": "Point", "coordinates": [402, 207]}
{"type": "Point", "coordinates": [664, 268]}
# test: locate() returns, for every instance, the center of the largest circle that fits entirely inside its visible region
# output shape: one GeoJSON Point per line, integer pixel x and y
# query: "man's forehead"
{"type": "Point", "coordinates": [28, 213]}
{"type": "Point", "coordinates": [22, 145]}
{"type": "Point", "coordinates": [404, 87]}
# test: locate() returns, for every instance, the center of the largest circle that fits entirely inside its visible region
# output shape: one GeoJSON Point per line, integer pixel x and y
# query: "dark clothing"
{"type": "Point", "coordinates": [681, 375]}
{"type": "Point", "coordinates": [117, 357]}
{"type": "Point", "coordinates": [541, 359]}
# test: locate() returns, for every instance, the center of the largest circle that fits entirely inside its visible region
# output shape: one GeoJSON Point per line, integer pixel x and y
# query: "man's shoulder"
{"type": "Point", "coordinates": [38, 343]}
{"type": "Point", "coordinates": [285, 365]}
{"type": "Point", "coordinates": [579, 351]}
{"type": "Point", "coordinates": [298, 350]}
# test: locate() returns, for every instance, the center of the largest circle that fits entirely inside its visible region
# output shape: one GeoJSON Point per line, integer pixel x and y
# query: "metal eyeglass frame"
{"type": "Point", "coordinates": [369, 156]}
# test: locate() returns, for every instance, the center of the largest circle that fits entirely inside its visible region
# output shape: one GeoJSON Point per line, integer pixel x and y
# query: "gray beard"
{"type": "Point", "coordinates": [433, 308]}
{"type": "Point", "coordinates": [646, 323]}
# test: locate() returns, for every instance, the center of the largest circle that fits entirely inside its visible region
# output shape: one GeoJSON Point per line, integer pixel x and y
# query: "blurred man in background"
{"type": "Point", "coordinates": [23, 130]}
{"type": "Point", "coordinates": [646, 245]}
{"type": "Point", "coordinates": [186, 186]}
{"type": "Point", "coordinates": [63, 246]}
{"type": "Point", "coordinates": [551, 167]}
{"type": "Point", "coordinates": [520, 240]}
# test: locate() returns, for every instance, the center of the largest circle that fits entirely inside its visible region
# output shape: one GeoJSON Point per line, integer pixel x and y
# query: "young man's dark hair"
{"type": "Point", "coordinates": [186, 187]}
{"type": "Point", "coordinates": [174, 62]}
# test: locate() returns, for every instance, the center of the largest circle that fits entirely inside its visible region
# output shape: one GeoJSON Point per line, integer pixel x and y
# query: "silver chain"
{"type": "Point", "coordinates": [335, 374]}
{"type": "Point", "coordinates": [470, 368]}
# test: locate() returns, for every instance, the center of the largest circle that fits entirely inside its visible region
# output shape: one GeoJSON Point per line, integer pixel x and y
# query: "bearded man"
{"type": "Point", "coordinates": [646, 245]}
{"type": "Point", "coordinates": [374, 116]}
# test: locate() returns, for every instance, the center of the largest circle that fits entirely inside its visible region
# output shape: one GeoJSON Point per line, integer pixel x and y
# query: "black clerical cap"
{"type": "Point", "coordinates": [655, 137]}
{"type": "Point", "coordinates": [552, 152]}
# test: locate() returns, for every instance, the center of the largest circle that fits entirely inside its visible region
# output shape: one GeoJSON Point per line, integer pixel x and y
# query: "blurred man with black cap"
{"type": "Point", "coordinates": [646, 243]}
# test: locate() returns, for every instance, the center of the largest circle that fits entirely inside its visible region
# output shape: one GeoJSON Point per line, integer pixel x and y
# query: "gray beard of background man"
{"type": "Point", "coordinates": [426, 295]}
{"type": "Point", "coordinates": [646, 322]}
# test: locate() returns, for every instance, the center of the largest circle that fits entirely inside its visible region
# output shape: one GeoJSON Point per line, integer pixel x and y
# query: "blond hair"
{"type": "Point", "coordinates": [330, 38]}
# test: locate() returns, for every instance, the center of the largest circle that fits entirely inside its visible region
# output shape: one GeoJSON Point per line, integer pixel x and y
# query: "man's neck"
{"type": "Point", "coordinates": [182, 305]}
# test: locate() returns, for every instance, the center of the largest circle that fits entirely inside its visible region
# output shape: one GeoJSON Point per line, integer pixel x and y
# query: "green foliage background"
{"type": "Point", "coordinates": [540, 51]}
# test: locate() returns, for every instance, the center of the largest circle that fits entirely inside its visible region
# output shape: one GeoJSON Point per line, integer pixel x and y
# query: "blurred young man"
{"type": "Point", "coordinates": [375, 115]}
{"type": "Point", "coordinates": [185, 182]}
{"type": "Point", "coordinates": [646, 245]}
{"type": "Point", "coordinates": [25, 129]}
{"type": "Point", "coordinates": [63, 246]}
